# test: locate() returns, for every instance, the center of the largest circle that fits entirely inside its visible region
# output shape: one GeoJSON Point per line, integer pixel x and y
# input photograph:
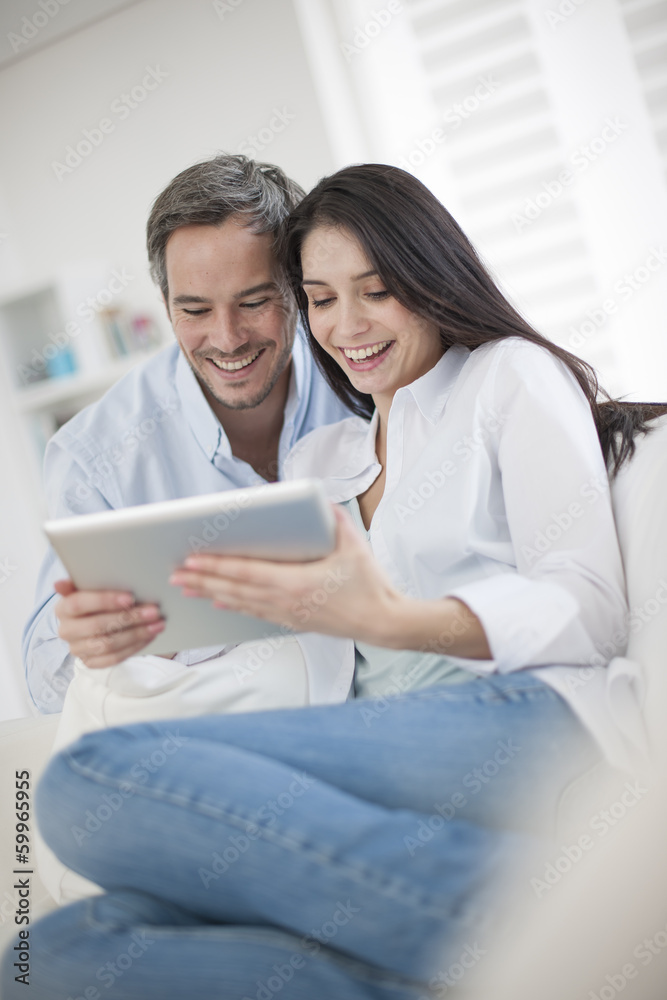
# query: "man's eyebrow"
{"type": "Point", "coordinates": [266, 286]}
{"type": "Point", "coordinates": [180, 300]}
{"type": "Point", "coordinates": [356, 277]}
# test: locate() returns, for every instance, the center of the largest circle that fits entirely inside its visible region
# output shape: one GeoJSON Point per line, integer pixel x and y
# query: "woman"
{"type": "Point", "coordinates": [355, 850]}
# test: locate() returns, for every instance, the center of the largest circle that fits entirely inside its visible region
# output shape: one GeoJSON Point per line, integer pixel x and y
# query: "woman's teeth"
{"type": "Point", "coordinates": [232, 366]}
{"type": "Point", "coordinates": [364, 352]}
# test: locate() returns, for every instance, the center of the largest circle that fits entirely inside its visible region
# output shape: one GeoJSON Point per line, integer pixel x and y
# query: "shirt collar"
{"type": "Point", "coordinates": [197, 411]}
{"type": "Point", "coordinates": [297, 393]}
{"type": "Point", "coordinates": [206, 427]}
{"type": "Point", "coordinates": [347, 461]}
{"type": "Point", "coordinates": [432, 390]}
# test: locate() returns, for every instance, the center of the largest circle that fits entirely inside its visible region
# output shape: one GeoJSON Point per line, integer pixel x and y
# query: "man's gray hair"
{"type": "Point", "coordinates": [208, 193]}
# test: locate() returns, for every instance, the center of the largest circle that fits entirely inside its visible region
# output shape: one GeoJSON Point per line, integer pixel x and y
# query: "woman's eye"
{"type": "Point", "coordinates": [378, 296]}
{"type": "Point", "coordinates": [316, 303]}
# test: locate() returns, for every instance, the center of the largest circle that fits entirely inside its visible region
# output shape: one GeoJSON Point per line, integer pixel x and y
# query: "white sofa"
{"type": "Point", "coordinates": [602, 931]}
{"type": "Point", "coordinates": [638, 492]}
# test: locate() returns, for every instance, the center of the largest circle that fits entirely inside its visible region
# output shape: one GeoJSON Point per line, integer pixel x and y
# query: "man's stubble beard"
{"type": "Point", "coordinates": [263, 392]}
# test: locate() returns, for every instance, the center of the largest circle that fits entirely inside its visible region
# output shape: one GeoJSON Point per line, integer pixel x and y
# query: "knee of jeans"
{"type": "Point", "coordinates": [49, 947]}
{"type": "Point", "coordinates": [63, 789]}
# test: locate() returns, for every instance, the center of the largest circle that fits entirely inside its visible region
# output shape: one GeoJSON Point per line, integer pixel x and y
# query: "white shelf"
{"type": "Point", "coordinates": [80, 321]}
{"type": "Point", "coordinates": [52, 392]}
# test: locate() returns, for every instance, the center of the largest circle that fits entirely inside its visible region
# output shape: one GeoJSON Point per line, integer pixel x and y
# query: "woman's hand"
{"type": "Point", "coordinates": [345, 594]}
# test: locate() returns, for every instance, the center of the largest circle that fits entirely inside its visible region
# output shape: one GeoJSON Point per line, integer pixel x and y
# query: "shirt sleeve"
{"type": "Point", "coordinates": [47, 661]}
{"type": "Point", "coordinates": [566, 603]}
{"type": "Point", "coordinates": [71, 489]}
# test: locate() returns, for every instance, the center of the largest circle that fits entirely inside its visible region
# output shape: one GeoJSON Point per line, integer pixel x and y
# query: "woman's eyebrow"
{"type": "Point", "coordinates": [356, 277]}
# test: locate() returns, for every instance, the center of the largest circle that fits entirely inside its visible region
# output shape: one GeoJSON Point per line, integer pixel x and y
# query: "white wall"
{"type": "Point", "coordinates": [556, 78]}
{"type": "Point", "coordinates": [225, 75]}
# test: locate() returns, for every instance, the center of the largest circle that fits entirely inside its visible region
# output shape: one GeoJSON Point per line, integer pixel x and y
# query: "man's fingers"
{"type": "Point", "coordinates": [87, 602]}
{"type": "Point", "coordinates": [73, 629]}
{"type": "Point", "coordinates": [116, 646]}
{"type": "Point", "coordinates": [64, 587]}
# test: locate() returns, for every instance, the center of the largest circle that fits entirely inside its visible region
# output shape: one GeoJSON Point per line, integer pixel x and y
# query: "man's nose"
{"type": "Point", "coordinates": [227, 332]}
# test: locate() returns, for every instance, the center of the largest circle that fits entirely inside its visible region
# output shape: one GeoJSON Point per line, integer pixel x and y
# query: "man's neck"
{"type": "Point", "coordinates": [254, 434]}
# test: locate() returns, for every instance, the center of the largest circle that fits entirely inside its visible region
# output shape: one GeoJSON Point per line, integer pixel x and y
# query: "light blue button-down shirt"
{"type": "Point", "coordinates": [152, 437]}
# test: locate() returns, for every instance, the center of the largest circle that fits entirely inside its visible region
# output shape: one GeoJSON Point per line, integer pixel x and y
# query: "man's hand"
{"type": "Point", "coordinates": [103, 627]}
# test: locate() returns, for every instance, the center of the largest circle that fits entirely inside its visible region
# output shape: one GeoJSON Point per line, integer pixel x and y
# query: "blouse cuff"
{"type": "Point", "coordinates": [521, 617]}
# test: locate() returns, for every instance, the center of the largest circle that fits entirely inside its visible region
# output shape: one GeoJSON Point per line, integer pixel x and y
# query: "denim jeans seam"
{"type": "Point", "coordinates": [361, 875]}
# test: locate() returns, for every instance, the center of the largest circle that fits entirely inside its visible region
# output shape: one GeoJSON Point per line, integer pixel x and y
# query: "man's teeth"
{"type": "Point", "coordinates": [232, 366]}
{"type": "Point", "coordinates": [365, 352]}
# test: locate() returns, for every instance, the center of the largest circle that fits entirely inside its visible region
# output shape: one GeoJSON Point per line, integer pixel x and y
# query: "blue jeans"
{"type": "Point", "coordinates": [348, 851]}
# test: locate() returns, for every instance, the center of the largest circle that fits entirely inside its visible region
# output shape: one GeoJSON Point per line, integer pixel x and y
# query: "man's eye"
{"type": "Point", "coordinates": [254, 305]}
{"type": "Point", "coordinates": [196, 312]}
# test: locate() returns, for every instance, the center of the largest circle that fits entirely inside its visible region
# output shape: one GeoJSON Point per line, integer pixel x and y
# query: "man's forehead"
{"type": "Point", "coordinates": [230, 235]}
{"type": "Point", "coordinates": [231, 255]}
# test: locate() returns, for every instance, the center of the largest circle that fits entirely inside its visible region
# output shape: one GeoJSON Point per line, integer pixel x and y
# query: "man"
{"type": "Point", "coordinates": [218, 410]}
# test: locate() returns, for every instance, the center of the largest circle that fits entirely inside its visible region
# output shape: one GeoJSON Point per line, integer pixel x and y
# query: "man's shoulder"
{"type": "Point", "coordinates": [147, 392]}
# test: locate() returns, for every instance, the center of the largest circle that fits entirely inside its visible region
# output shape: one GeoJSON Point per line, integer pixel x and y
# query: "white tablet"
{"type": "Point", "coordinates": [137, 548]}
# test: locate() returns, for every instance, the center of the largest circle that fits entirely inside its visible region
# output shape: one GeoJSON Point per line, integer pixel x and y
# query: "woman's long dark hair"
{"type": "Point", "coordinates": [428, 264]}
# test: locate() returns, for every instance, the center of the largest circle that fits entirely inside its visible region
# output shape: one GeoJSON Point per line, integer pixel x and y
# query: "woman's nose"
{"type": "Point", "coordinates": [351, 319]}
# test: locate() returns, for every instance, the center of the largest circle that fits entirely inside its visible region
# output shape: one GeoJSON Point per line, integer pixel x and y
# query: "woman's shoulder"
{"type": "Point", "coordinates": [513, 361]}
{"type": "Point", "coordinates": [513, 350]}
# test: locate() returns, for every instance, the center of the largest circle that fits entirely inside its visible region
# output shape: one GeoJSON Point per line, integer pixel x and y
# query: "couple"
{"type": "Point", "coordinates": [346, 850]}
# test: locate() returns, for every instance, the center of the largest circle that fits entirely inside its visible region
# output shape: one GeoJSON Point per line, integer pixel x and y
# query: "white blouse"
{"type": "Point", "coordinates": [497, 494]}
